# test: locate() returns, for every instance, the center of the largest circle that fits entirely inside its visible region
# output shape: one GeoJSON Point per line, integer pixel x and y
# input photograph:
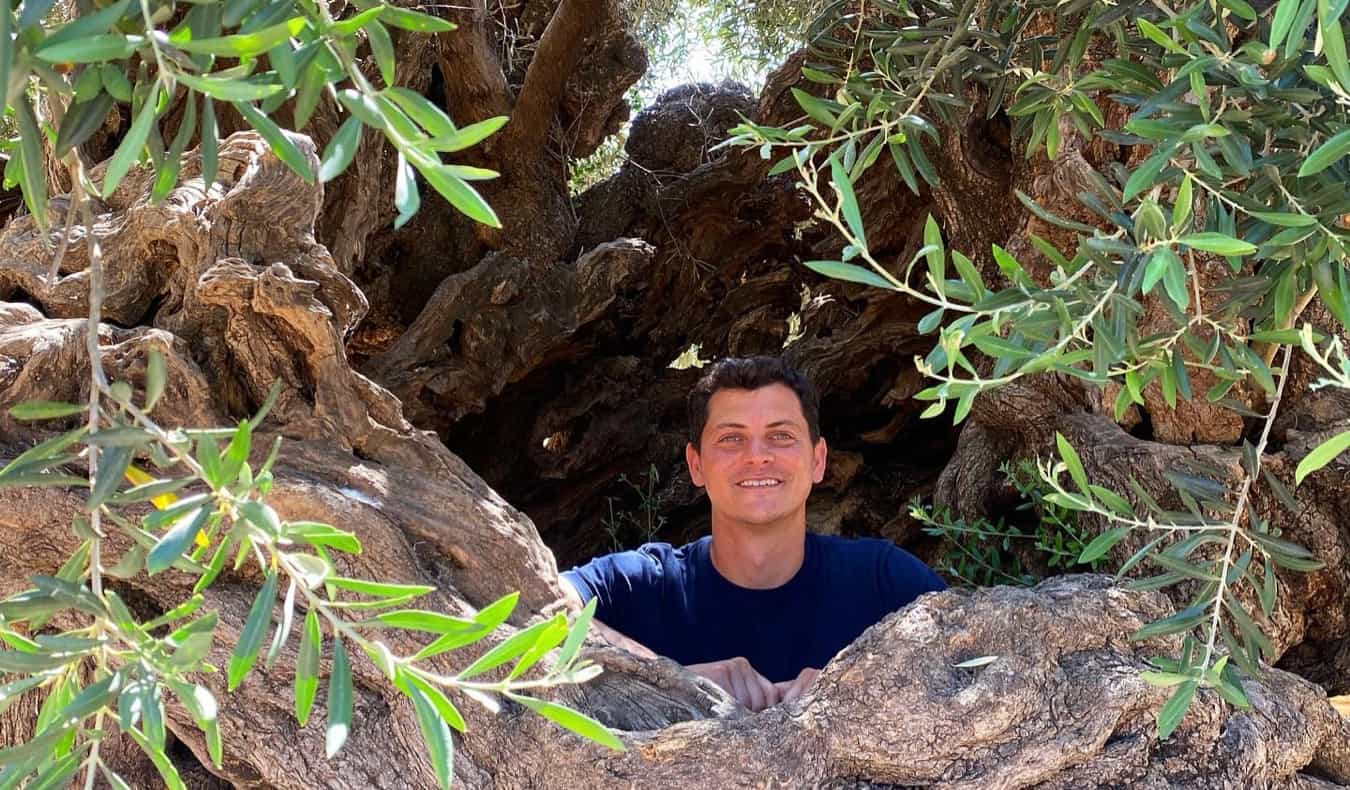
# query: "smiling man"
{"type": "Point", "coordinates": [760, 605]}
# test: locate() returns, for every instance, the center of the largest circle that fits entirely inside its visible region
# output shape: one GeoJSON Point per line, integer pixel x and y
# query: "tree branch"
{"type": "Point", "coordinates": [554, 60]}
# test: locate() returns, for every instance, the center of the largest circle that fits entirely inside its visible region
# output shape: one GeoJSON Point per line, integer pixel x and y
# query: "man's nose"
{"type": "Point", "coordinates": [761, 452]}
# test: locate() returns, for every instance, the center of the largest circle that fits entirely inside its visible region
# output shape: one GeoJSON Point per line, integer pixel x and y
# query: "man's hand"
{"type": "Point", "coordinates": [789, 690]}
{"type": "Point", "coordinates": [740, 680]}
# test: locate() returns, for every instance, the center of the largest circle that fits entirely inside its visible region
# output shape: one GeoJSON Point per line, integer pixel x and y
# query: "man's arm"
{"type": "Point", "coordinates": [733, 675]}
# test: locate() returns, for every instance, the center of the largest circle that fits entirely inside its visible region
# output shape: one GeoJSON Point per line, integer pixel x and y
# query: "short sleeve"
{"type": "Point", "coordinates": [624, 584]}
{"type": "Point", "coordinates": [904, 577]}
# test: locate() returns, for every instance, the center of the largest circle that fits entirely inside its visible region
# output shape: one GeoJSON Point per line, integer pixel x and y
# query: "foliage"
{"type": "Point", "coordinates": [276, 51]}
{"type": "Point", "coordinates": [1245, 118]}
{"type": "Point", "coordinates": [1038, 538]}
{"type": "Point", "coordinates": [72, 635]}
{"type": "Point", "coordinates": [629, 528]}
{"type": "Point", "coordinates": [208, 510]}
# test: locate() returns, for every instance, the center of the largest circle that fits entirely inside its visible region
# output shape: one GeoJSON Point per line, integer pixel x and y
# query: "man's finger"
{"type": "Point", "coordinates": [737, 686]}
{"type": "Point", "coordinates": [754, 691]}
{"type": "Point", "coordinates": [769, 690]}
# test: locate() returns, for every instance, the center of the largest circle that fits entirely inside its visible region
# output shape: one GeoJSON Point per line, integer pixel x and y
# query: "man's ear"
{"type": "Point", "coordinates": [695, 463]}
{"type": "Point", "coordinates": [818, 454]}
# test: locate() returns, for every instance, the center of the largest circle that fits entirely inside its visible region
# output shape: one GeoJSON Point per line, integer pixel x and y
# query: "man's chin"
{"type": "Point", "coordinates": [762, 519]}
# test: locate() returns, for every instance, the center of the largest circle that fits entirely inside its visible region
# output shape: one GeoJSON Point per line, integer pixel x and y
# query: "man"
{"type": "Point", "coordinates": [761, 604]}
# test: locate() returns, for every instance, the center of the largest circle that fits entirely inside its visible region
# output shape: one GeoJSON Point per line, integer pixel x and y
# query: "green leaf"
{"type": "Point", "coordinates": [1174, 281]}
{"type": "Point", "coordinates": [232, 90]}
{"type": "Point", "coordinates": [850, 273]}
{"type": "Point", "coordinates": [969, 274]}
{"type": "Point", "coordinates": [406, 198]}
{"type": "Point", "coordinates": [1157, 36]}
{"type": "Point", "coordinates": [1285, 219]}
{"type": "Point", "coordinates": [113, 463]}
{"type": "Point", "coordinates": [491, 616]}
{"type": "Point", "coordinates": [1331, 27]}
{"type": "Point", "coordinates": [236, 454]}
{"type": "Point", "coordinates": [339, 700]}
{"type": "Point", "coordinates": [83, 119]}
{"type": "Point", "coordinates": [28, 663]}
{"type": "Point", "coordinates": [94, 49]}
{"type": "Point", "coordinates": [163, 764]}
{"type": "Point", "coordinates": [1147, 173]}
{"type": "Point", "coordinates": [1326, 155]}
{"type": "Point", "coordinates": [10, 692]}
{"type": "Point", "coordinates": [579, 723]}
{"type": "Point", "coordinates": [1322, 455]}
{"type": "Point", "coordinates": [350, 25]}
{"type": "Point", "coordinates": [848, 202]}
{"type": "Point", "coordinates": [1269, 590]}
{"type": "Point", "coordinates": [936, 255]}
{"type": "Point", "coordinates": [1163, 679]}
{"type": "Point", "coordinates": [33, 181]}
{"type": "Point", "coordinates": [261, 515]}
{"type": "Point", "coordinates": [577, 635]}
{"type": "Point", "coordinates": [507, 650]}
{"type": "Point", "coordinates": [44, 410]}
{"type": "Point", "coordinates": [430, 622]}
{"type": "Point", "coordinates": [440, 744]}
{"type": "Point", "coordinates": [1220, 243]}
{"type": "Point", "coordinates": [548, 639]}
{"type": "Point", "coordinates": [210, 144]}
{"type": "Point", "coordinates": [130, 148]}
{"type": "Point", "coordinates": [279, 140]}
{"type": "Point", "coordinates": [86, 25]}
{"type": "Point", "coordinates": [436, 697]}
{"type": "Point", "coordinates": [178, 539]}
{"type": "Point", "coordinates": [1158, 263]}
{"type": "Point", "coordinates": [1102, 544]}
{"type": "Point", "coordinates": [283, 631]}
{"type": "Point", "coordinates": [1072, 461]}
{"type": "Point", "coordinates": [1184, 620]}
{"type": "Point", "coordinates": [154, 379]}
{"type": "Point", "coordinates": [462, 196]}
{"type": "Point", "coordinates": [307, 667]}
{"type": "Point", "coordinates": [51, 448]}
{"type": "Point", "coordinates": [416, 21]}
{"type": "Point", "coordinates": [243, 45]}
{"type": "Point", "coordinates": [1185, 198]}
{"type": "Point", "coordinates": [430, 117]}
{"type": "Point", "coordinates": [381, 589]}
{"type": "Point", "coordinates": [251, 636]}
{"type": "Point", "coordinates": [1175, 709]}
{"type": "Point", "coordinates": [1285, 12]}
{"type": "Point", "coordinates": [819, 109]}
{"type": "Point", "coordinates": [472, 135]}
{"type": "Point", "coordinates": [317, 534]}
{"type": "Point", "coordinates": [382, 47]}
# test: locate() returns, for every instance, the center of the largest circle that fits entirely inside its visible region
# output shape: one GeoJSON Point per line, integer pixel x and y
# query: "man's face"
{"type": "Point", "coordinates": [756, 458]}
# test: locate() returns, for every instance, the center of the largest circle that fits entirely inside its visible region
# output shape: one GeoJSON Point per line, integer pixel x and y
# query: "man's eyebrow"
{"type": "Point", "coordinates": [774, 424]}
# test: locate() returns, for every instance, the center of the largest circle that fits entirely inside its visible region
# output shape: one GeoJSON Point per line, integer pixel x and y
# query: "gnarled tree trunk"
{"type": "Point", "coordinates": [415, 361]}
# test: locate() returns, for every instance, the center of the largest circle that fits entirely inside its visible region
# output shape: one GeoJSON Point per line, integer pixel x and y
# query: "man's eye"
{"type": "Point", "coordinates": [782, 437]}
{"type": "Point", "coordinates": [730, 438]}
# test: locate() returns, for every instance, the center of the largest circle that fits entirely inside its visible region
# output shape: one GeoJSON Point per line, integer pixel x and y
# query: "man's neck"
{"type": "Point", "coordinates": [759, 558]}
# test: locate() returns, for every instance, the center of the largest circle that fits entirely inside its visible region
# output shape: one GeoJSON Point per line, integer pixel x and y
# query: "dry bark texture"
{"type": "Point", "coordinates": [538, 355]}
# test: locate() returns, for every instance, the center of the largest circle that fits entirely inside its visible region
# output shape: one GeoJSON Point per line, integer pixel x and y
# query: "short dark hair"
{"type": "Point", "coordinates": [751, 373]}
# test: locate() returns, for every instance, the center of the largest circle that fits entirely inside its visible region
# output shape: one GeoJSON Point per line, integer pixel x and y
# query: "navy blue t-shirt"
{"type": "Point", "coordinates": [676, 603]}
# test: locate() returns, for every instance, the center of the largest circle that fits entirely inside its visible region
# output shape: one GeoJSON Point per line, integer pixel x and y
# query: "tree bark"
{"type": "Point", "coordinates": [415, 361]}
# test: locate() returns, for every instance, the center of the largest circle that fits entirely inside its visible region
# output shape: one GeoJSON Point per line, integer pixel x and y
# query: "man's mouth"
{"type": "Point", "coordinates": [766, 482]}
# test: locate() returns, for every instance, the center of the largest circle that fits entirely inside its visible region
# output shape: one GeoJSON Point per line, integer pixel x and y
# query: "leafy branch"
{"type": "Point", "coordinates": [1245, 120]}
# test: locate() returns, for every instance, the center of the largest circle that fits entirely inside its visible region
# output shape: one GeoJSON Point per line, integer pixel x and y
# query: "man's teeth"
{"type": "Point", "coordinates": [759, 483]}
